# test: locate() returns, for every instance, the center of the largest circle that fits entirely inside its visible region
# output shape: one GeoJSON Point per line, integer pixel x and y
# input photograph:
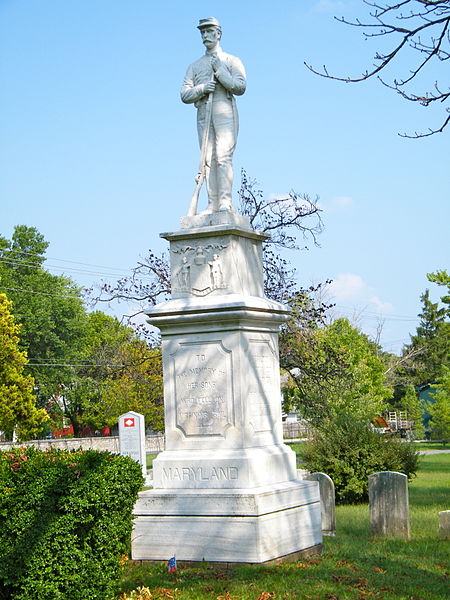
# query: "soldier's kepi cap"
{"type": "Point", "coordinates": [208, 22]}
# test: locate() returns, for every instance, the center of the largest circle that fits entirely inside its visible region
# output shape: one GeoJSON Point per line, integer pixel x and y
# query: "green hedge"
{"type": "Point", "coordinates": [348, 451]}
{"type": "Point", "coordinates": [65, 523]}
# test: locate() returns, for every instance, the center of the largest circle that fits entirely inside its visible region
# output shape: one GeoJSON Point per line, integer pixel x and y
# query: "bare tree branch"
{"type": "Point", "coordinates": [425, 29]}
{"type": "Point", "coordinates": [284, 218]}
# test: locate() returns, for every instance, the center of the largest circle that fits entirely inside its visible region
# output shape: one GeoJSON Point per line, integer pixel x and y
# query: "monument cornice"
{"type": "Point", "coordinates": [211, 230]}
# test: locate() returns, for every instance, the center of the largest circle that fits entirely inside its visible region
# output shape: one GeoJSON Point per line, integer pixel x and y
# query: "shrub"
{"type": "Point", "coordinates": [65, 523]}
{"type": "Point", "coordinates": [348, 450]}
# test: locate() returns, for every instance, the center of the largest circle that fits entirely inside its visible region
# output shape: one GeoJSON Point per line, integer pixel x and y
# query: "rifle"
{"type": "Point", "coordinates": [200, 177]}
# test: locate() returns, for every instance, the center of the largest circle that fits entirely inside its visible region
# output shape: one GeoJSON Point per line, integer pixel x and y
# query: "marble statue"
{"type": "Point", "coordinates": [211, 84]}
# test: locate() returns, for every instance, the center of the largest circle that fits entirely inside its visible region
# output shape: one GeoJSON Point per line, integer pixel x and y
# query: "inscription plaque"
{"type": "Point", "coordinates": [204, 473]}
{"type": "Point", "coordinates": [203, 388]}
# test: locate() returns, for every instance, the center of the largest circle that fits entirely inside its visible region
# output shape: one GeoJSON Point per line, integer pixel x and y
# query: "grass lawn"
{"type": "Point", "coordinates": [432, 445]}
{"type": "Point", "coordinates": [352, 566]}
{"type": "Point", "coordinates": [150, 458]}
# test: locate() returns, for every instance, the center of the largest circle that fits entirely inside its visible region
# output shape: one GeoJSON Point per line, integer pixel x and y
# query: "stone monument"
{"type": "Point", "coordinates": [225, 488]}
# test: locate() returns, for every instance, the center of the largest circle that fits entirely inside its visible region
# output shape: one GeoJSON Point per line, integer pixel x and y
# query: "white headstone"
{"type": "Point", "coordinates": [327, 502]}
{"type": "Point", "coordinates": [132, 437]}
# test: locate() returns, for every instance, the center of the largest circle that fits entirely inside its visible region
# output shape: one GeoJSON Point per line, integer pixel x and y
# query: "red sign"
{"type": "Point", "coordinates": [129, 422]}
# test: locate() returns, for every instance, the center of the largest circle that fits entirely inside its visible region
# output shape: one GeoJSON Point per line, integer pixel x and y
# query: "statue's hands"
{"type": "Point", "coordinates": [215, 62]}
{"type": "Point", "coordinates": [210, 87]}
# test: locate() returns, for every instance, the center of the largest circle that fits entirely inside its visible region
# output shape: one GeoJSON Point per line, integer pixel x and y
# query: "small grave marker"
{"type": "Point", "coordinates": [132, 438]}
{"type": "Point", "coordinates": [389, 504]}
{"type": "Point", "coordinates": [444, 525]}
{"type": "Point", "coordinates": [327, 502]}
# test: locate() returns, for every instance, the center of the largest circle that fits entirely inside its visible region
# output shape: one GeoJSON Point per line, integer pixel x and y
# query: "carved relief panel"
{"type": "Point", "coordinates": [198, 268]}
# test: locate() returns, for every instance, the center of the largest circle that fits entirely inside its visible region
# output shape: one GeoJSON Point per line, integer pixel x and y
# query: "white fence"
{"type": "Point", "coordinates": [296, 430]}
{"type": "Point", "coordinates": [153, 444]}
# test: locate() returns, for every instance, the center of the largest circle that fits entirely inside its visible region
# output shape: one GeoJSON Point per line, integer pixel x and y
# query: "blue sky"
{"type": "Point", "coordinates": [98, 152]}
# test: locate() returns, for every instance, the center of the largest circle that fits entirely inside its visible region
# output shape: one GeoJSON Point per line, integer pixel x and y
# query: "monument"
{"type": "Point", "coordinates": [225, 488]}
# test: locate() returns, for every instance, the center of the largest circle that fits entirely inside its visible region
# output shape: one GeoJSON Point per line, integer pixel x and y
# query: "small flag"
{"type": "Point", "coordinates": [172, 564]}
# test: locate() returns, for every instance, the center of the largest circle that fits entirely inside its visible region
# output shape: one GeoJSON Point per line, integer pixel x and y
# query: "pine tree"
{"type": "Point", "coordinates": [18, 411]}
{"type": "Point", "coordinates": [440, 409]}
{"type": "Point", "coordinates": [432, 340]}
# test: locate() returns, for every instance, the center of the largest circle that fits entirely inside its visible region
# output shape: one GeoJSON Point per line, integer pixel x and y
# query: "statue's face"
{"type": "Point", "coordinates": [210, 36]}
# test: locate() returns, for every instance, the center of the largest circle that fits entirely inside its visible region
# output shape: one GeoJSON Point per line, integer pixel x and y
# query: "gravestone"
{"type": "Point", "coordinates": [225, 488]}
{"type": "Point", "coordinates": [389, 504]}
{"type": "Point", "coordinates": [132, 438]}
{"type": "Point", "coordinates": [327, 502]}
{"type": "Point", "coordinates": [444, 524]}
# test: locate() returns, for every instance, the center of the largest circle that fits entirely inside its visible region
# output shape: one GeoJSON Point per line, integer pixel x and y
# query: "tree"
{"type": "Point", "coordinates": [115, 372]}
{"type": "Point", "coordinates": [413, 407]}
{"type": "Point", "coordinates": [127, 373]}
{"type": "Point", "coordinates": [431, 341]}
{"type": "Point", "coordinates": [136, 386]}
{"type": "Point", "coordinates": [422, 26]}
{"type": "Point", "coordinates": [440, 409]}
{"type": "Point", "coordinates": [18, 411]}
{"type": "Point", "coordinates": [442, 278]}
{"type": "Point", "coordinates": [82, 363]}
{"type": "Point", "coordinates": [49, 308]}
{"type": "Point", "coordinates": [283, 218]}
{"type": "Point", "coordinates": [336, 370]}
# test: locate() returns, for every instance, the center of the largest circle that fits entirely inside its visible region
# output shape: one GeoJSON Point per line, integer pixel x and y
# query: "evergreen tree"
{"type": "Point", "coordinates": [18, 411]}
{"type": "Point", "coordinates": [441, 277]}
{"type": "Point", "coordinates": [440, 409]}
{"type": "Point", "coordinates": [432, 341]}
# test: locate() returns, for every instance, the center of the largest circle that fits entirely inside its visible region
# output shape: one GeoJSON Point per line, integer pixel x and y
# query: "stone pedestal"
{"type": "Point", "coordinates": [225, 488]}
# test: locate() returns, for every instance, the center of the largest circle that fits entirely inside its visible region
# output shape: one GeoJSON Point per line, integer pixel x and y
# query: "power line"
{"type": "Point", "coordinates": [78, 365]}
{"type": "Point", "coordinates": [45, 259]}
{"type": "Point", "coordinates": [16, 263]}
{"type": "Point", "coordinates": [39, 293]}
{"type": "Point", "coordinates": [375, 315]}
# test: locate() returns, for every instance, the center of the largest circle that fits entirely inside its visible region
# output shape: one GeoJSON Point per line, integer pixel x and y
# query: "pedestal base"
{"type": "Point", "coordinates": [240, 526]}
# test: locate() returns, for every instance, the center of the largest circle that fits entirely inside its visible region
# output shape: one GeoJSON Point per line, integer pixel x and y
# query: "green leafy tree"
{"type": "Point", "coordinates": [117, 372]}
{"type": "Point", "coordinates": [353, 381]}
{"type": "Point", "coordinates": [49, 308]}
{"type": "Point", "coordinates": [440, 409]}
{"type": "Point", "coordinates": [348, 450]}
{"type": "Point", "coordinates": [137, 386]}
{"type": "Point", "coordinates": [18, 411]}
{"type": "Point", "coordinates": [411, 404]}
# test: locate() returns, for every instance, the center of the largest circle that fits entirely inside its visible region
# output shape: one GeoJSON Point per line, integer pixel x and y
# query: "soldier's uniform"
{"type": "Point", "coordinates": [230, 80]}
